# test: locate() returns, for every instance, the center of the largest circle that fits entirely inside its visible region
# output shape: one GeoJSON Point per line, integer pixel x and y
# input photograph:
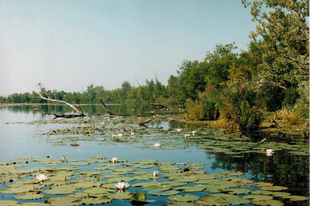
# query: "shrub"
{"type": "Point", "coordinates": [290, 96]}
{"type": "Point", "coordinates": [204, 108]}
{"type": "Point", "coordinates": [292, 118]}
{"type": "Point", "coordinates": [238, 103]}
{"type": "Point", "coordinates": [302, 109]}
{"type": "Point", "coordinates": [305, 131]}
{"type": "Point", "coordinates": [195, 111]}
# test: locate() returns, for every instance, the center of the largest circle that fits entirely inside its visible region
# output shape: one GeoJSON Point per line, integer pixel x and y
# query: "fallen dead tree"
{"type": "Point", "coordinates": [141, 123]}
{"type": "Point", "coordinates": [58, 115]}
{"type": "Point", "coordinates": [108, 111]}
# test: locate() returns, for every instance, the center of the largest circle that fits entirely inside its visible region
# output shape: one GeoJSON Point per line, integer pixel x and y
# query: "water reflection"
{"type": "Point", "coordinates": [281, 168]}
{"type": "Point", "coordinates": [94, 109]}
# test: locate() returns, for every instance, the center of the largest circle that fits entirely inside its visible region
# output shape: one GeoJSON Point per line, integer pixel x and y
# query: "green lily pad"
{"type": "Point", "coordinates": [183, 198]}
{"type": "Point", "coordinates": [163, 193]}
{"type": "Point", "coordinates": [95, 201]}
{"type": "Point", "coordinates": [222, 199]}
{"type": "Point", "coordinates": [98, 190]}
{"type": "Point", "coordinates": [34, 204]}
{"type": "Point", "coordinates": [274, 188]}
{"type": "Point", "coordinates": [8, 203]}
{"type": "Point", "coordinates": [60, 190]}
{"type": "Point", "coordinates": [268, 202]}
{"type": "Point", "coordinates": [55, 201]}
{"type": "Point", "coordinates": [258, 197]}
{"type": "Point", "coordinates": [29, 196]}
{"type": "Point", "coordinates": [120, 196]}
{"type": "Point", "coordinates": [139, 198]}
{"type": "Point", "coordinates": [16, 190]}
{"type": "Point", "coordinates": [237, 191]}
{"type": "Point", "coordinates": [296, 198]}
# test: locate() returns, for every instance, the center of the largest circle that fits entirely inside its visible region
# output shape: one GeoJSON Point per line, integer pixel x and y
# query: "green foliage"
{"type": "Point", "coordinates": [281, 41]}
{"type": "Point", "coordinates": [305, 131]}
{"type": "Point", "coordinates": [195, 111]}
{"type": "Point", "coordinates": [239, 105]}
{"type": "Point", "coordinates": [218, 64]}
{"type": "Point", "coordinates": [204, 108]}
{"type": "Point", "coordinates": [293, 118]}
{"type": "Point", "coordinates": [302, 110]}
{"type": "Point", "coordinates": [290, 96]}
{"type": "Point", "coordinates": [191, 79]}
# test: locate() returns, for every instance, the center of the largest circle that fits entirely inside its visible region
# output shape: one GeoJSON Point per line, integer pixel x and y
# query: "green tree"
{"type": "Point", "coordinates": [282, 37]}
{"type": "Point", "coordinates": [218, 64]}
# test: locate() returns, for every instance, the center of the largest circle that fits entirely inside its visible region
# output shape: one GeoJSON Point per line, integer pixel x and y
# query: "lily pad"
{"type": "Point", "coordinates": [8, 203]}
{"type": "Point", "coordinates": [55, 201]}
{"type": "Point", "coordinates": [163, 193]}
{"type": "Point", "coordinates": [29, 196]}
{"type": "Point", "coordinates": [95, 201]}
{"type": "Point", "coordinates": [296, 198]}
{"type": "Point", "coordinates": [120, 196]}
{"type": "Point", "coordinates": [61, 190]}
{"type": "Point", "coordinates": [183, 198]}
{"type": "Point", "coordinates": [258, 197]}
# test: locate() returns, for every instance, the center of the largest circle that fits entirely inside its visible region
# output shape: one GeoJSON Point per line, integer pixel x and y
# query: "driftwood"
{"type": "Point", "coordinates": [141, 123]}
{"type": "Point", "coordinates": [57, 115]}
{"type": "Point", "coordinates": [157, 106]}
{"type": "Point", "coordinates": [108, 111]}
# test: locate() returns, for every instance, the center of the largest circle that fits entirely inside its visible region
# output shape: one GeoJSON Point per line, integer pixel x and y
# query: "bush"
{"type": "Point", "coordinates": [292, 118]}
{"type": "Point", "coordinates": [194, 111]}
{"type": "Point", "coordinates": [238, 104]}
{"type": "Point", "coordinates": [204, 108]}
{"type": "Point", "coordinates": [290, 96]}
{"type": "Point", "coordinates": [302, 110]}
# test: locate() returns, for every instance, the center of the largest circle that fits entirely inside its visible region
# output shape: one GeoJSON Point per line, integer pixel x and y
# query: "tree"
{"type": "Point", "coordinates": [192, 79]}
{"type": "Point", "coordinates": [282, 37]}
{"type": "Point", "coordinates": [218, 64]}
{"type": "Point", "coordinates": [126, 88]}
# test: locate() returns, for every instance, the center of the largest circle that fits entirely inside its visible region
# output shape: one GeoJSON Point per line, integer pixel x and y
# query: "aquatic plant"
{"type": "Point", "coordinates": [122, 185]}
{"type": "Point", "coordinates": [41, 177]}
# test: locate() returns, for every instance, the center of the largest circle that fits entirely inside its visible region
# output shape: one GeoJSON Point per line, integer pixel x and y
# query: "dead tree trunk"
{"type": "Point", "coordinates": [108, 111]}
{"type": "Point", "coordinates": [79, 111]}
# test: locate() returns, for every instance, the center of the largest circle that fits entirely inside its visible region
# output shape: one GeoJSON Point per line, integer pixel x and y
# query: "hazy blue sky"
{"type": "Point", "coordinates": [70, 44]}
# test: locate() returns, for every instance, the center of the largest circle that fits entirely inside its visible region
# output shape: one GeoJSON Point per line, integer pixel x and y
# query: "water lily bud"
{"type": "Point", "coordinates": [269, 152]}
{"type": "Point", "coordinates": [157, 145]}
{"type": "Point", "coordinates": [114, 160]}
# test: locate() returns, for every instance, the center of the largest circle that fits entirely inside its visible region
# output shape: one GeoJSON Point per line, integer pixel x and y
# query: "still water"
{"type": "Point", "coordinates": [22, 129]}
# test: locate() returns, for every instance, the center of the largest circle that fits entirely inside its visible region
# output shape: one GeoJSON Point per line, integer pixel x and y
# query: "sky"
{"type": "Point", "coordinates": [70, 44]}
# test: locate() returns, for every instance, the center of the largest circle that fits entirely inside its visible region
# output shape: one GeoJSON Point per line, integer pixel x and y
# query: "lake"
{"type": "Point", "coordinates": [28, 138]}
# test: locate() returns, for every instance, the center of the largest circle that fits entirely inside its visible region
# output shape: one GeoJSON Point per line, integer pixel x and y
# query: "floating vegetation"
{"type": "Point", "coordinates": [107, 131]}
{"type": "Point", "coordinates": [178, 183]}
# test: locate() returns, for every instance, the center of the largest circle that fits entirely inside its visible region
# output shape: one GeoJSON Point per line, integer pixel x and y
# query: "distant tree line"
{"type": "Point", "coordinates": [235, 87]}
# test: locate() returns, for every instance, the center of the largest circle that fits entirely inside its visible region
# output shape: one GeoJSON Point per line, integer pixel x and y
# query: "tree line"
{"type": "Point", "coordinates": [237, 87]}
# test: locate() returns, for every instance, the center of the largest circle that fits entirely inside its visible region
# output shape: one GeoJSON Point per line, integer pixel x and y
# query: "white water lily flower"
{"type": "Point", "coordinates": [269, 152]}
{"type": "Point", "coordinates": [157, 145]}
{"type": "Point", "coordinates": [114, 136]}
{"type": "Point", "coordinates": [122, 185]}
{"type": "Point", "coordinates": [179, 130]}
{"type": "Point", "coordinates": [60, 141]}
{"type": "Point", "coordinates": [132, 133]}
{"type": "Point", "coordinates": [114, 160]}
{"type": "Point", "coordinates": [119, 134]}
{"type": "Point", "coordinates": [186, 135]}
{"type": "Point", "coordinates": [194, 132]}
{"type": "Point", "coordinates": [155, 174]}
{"type": "Point", "coordinates": [41, 177]}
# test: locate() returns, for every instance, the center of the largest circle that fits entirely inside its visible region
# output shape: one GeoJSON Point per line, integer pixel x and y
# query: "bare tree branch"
{"type": "Point", "coordinates": [80, 112]}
